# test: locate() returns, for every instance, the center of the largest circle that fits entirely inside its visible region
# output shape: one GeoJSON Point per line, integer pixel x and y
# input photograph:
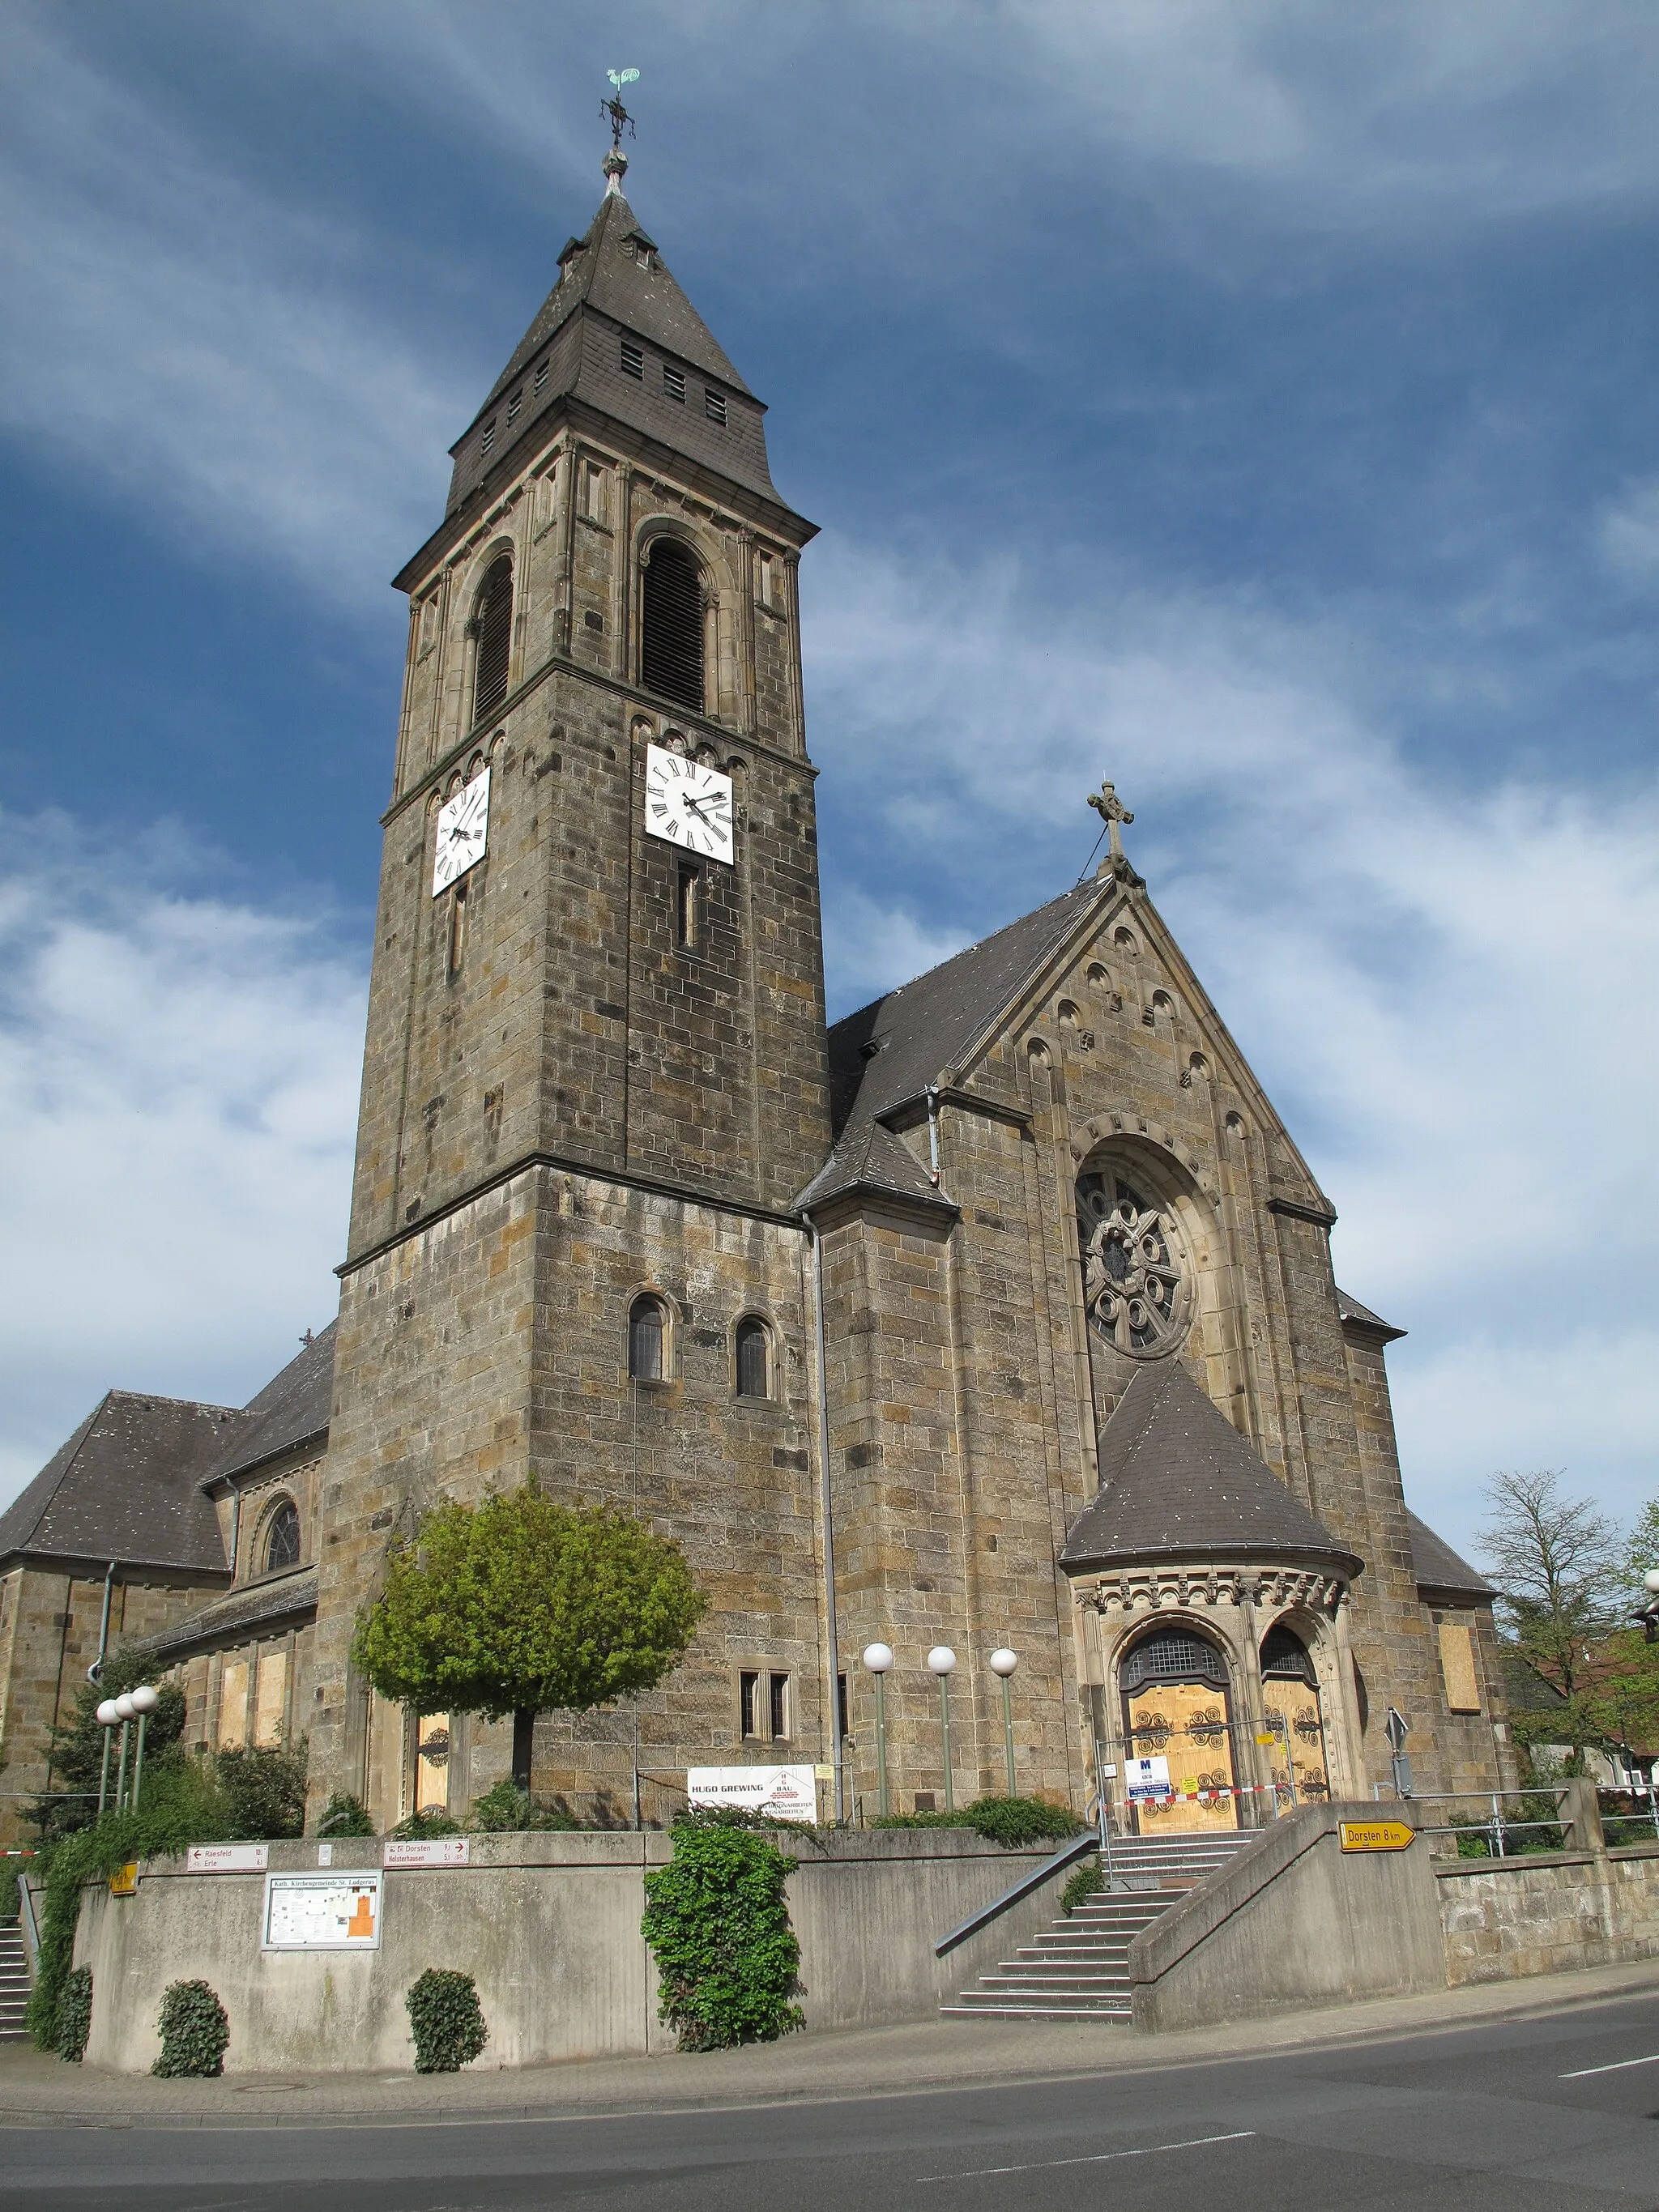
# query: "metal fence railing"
{"type": "Point", "coordinates": [1630, 1814]}
{"type": "Point", "coordinates": [1495, 1824]}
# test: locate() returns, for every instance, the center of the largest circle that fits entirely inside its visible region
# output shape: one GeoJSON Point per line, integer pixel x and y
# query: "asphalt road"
{"type": "Point", "coordinates": [1559, 2112]}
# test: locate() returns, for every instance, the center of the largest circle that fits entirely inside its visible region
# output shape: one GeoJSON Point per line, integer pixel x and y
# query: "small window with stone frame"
{"type": "Point", "coordinates": [753, 1358]}
{"type": "Point", "coordinates": [647, 1339]}
{"type": "Point", "coordinates": [280, 1547]}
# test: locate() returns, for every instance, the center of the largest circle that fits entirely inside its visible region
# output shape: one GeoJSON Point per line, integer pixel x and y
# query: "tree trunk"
{"type": "Point", "coordinates": [524, 1730]}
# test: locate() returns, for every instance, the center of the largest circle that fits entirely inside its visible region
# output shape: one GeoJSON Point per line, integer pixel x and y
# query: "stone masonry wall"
{"type": "Point", "coordinates": [1550, 1914]}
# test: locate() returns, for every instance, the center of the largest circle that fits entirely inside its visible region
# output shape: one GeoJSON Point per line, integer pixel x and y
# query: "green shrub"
{"type": "Point", "coordinates": [506, 1810]}
{"type": "Point", "coordinates": [345, 1815]}
{"type": "Point", "coordinates": [264, 1794]}
{"type": "Point", "coordinates": [11, 1873]}
{"type": "Point", "coordinates": [184, 1807]}
{"type": "Point", "coordinates": [1010, 1821]}
{"type": "Point", "coordinates": [446, 2020]}
{"type": "Point", "coordinates": [718, 1922]}
{"type": "Point", "coordinates": [77, 1750]}
{"type": "Point", "coordinates": [194, 2031]}
{"type": "Point", "coordinates": [1083, 1882]}
{"type": "Point", "coordinates": [431, 1822]}
{"type": "Point", "coordinates": [73, 2023]}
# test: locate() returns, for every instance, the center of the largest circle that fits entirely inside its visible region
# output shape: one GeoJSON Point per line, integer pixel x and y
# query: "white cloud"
{"type": "Point", "coordinates": [1447, 993]}
{"type": "Point", "coordinates": [177, 1091]}
{"type": "Point", "coordinates": [178, 336]}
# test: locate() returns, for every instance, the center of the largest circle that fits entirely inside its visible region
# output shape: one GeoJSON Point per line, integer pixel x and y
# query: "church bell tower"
{"type": "Point", "coordinates": [595, 1073]}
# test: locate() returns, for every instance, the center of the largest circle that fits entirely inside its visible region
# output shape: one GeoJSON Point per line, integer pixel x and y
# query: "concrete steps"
{"type": "Point", "coordinates": [14, 1982]}
{"type": "Point", "coordinates": [1079, 1969]}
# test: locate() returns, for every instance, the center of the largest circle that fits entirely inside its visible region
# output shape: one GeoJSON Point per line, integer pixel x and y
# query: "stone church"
{"type": "Point", "coordinates": [999, 1314]}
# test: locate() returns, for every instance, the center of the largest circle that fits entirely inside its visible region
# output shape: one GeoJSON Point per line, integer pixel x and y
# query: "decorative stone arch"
{"type": "Point", "coordinates": [472, 576]}
{"type": "Point", "coordinates": [1322, 1632]}
{"type": "Point", "coordinates": [282, 1522]}
{"type": "Point", "coordinates": [1170, 1181]}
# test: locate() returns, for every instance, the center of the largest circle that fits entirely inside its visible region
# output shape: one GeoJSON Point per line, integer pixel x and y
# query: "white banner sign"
{"type": "Point", "coordinates": [323, 1911]}
{"type": "Point", "coordinates": [427, 1851]}
{"type": "Point", "coordinates": [787, 1793]}
{"type": "Point", "coordinates": [227, 1858]}
{"type": "Point", "coordinates": [1148, 1777]}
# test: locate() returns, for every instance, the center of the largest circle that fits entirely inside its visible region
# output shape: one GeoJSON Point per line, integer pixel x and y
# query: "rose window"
{"type": "Point", "coordinates": [1134, 1276]}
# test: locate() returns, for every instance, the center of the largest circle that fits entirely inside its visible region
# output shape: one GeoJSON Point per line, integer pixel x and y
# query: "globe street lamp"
{"type": "Point", "coordinates": [1647, 1618]}
{"type": "Point", "coordinates": [878, 1658]}
{"type": "Point", "coordinates": [942, 1661]}
{"type": "Point", "coordinates": [126, 1712]}
{"type": "Point", "coordinates": [106, 1717]}
{"type": "Point", "coordinates": [1003, 1664]}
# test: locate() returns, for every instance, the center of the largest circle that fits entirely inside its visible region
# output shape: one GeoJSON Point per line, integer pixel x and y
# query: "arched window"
{"type": "Point", "coordinates": [281, 1542]}
{"type": "Point", "coordinates": [754, 1346]}
{"type": "Point", "coordinates": [492, 630]}
{"type": "Point", "coordinates": [671, 623]}
{"type": "Point", "coordinates": [646, 1331]}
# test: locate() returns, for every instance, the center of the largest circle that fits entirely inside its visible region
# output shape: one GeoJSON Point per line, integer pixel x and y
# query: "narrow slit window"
{"type": "Point", "coordinates": [492, 622]}
{"type": "Point", "coordinates": [754, 1358]}
{"type": "Point", "coordinates": [633, 359]}
{"type": "Point", "coordinates": [645, 1341]}
{"type": "Point", "coordinates": [778, 1706]}
{"type": "Point", "coordinates": [748, 1700]}
{"type": "Point", "coordinates": [688, 897]}
{"type": "Point", "coordinates": [674, 381]}
{"type": "Point", "coordinates": [844, 1713]}
{"type": "Point", "coordinates": [714, 405]}
{"type": "Point", "coordinates": [458, 926]}
{"type": "Point", "coordinates": [671, 644]}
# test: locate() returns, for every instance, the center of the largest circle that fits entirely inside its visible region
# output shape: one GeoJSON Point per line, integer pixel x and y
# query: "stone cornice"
{"type": "Point", "coordinates": [1200, 1581]}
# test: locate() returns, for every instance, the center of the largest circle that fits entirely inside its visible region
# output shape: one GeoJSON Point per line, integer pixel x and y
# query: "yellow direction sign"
{"type": "Point", "coordinates": [1376, 1835]}
{"type": "Point", "coordinates": [124, 1882]}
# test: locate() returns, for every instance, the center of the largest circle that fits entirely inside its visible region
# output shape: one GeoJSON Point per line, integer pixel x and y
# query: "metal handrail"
{"type": "Point", "coordinates": [1067, 1855]}
{"type": "Point", "coordinates": [26, 1923]}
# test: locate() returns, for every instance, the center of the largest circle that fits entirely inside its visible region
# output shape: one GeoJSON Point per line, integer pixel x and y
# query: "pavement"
{"type": "Point", "coordinates": [1467, 2104]}
{"type": "Point", "coordinates": [38, 2091]}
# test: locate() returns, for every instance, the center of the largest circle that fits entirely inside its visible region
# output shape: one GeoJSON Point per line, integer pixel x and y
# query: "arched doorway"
{"type": "Point", "coordinates": [1290, 1699]}
{"type": "Point", "coordinates": [1177, 1713]}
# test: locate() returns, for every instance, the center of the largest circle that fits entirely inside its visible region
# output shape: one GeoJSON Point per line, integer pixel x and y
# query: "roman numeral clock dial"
{"type": "Point", "coordinates": [688, 804]}
{"type": "Point", "coordinates": [463, 833]}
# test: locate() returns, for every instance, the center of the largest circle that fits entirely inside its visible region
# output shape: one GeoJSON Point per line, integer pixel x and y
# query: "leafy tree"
{"type": "Point", "coordinates": [1642, 1552]}
{"type": "Point", "coordinates": [77, 1748]}
{"type": "Point", "coordinates": [522, 1606]}
{"type": "Point", "coordinates": [1556, 1564]}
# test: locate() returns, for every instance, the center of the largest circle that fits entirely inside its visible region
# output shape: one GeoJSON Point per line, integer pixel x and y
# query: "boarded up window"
{"type": "Point", "coordinates": [1458, 1667]}
{"type": "Point", "coordinates": [233, 1705]}
{"type": "Point", "coordinates": [432, 1763]}
{"type": "Point", "coordinates": [272, 1700]}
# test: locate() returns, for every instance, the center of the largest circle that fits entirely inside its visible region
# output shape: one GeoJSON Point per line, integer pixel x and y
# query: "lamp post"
{"type": "Point", "coordinates": [144, 1702]}
{"type": "Point", "coordinates": [1003, 1664]}
{"type": "Point", "coordinates": [1648, 1619]}
{"type": "Point", "coordinates": [878, 1658]}
{"type": "Point", "coordinates": [942, 1661]}
{"type": "Point", "coordinates": [126, 1712]}
{"type": "Point", "coordinates": [108, 1717]}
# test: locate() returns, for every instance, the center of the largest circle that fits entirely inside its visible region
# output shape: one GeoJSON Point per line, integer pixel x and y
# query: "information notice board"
{"type": "Point", "coordinates": [329, 1911]}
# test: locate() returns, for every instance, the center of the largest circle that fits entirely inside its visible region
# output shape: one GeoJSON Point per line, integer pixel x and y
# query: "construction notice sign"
{"type": "Point", "coordinates": [1148, 1779]}
{"type": "Point", "coordinates": [1376, 1835]}
{"type": "Point", "coordinates": [323, 1911]}
{"type": "Point", "coordinates": [786, 1793]}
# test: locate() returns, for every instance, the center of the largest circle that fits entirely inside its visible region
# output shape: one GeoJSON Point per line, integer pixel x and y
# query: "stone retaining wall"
{"type": "Point", "coordinates": [1548, 1914]}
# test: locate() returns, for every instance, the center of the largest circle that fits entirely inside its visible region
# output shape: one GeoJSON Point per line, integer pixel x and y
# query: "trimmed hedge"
{"type": "Point", "coordinates": [1010, 1821]}
{"type": "Point", "coordinates": [447, 2020]}
{"type": "Point", "coordinates": [194, 2031]}
{"type": "Point", "coordinates": [718, 1924]}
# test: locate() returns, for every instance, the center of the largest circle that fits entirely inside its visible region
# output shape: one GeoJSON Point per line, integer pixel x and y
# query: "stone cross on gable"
{"type": "Point", "coordinates": [1111, 810]}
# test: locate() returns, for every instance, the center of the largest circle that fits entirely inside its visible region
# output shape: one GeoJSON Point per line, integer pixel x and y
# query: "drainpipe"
{"type": "Point", "coordinates": [97, 1665]}
{"type": "Point", "coordinates": [933, 1132]}
{"type": "Point", "coordinates": [829, 1524]}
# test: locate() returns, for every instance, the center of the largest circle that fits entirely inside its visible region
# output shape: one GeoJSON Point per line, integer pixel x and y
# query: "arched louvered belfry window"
{"type": "Point", "coordinates": [671, 623]}
{"type": "Point", "coordinates": [492, 629]}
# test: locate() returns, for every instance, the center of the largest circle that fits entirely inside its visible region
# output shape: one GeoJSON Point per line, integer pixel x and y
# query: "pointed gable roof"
{"type": "Point", "coordinates": [1177, 1481]}
{"type": "Point", "coordinates": [872, 1159]}
{"type": "Point", "coordinates": [889, 1051]}
{"type": "Point", "coordinates": [686, 395]}
{"type": "Point", "coordinates": [123, 1487]}
{"type": "Point", "coordinates": [1438, 1568]}
{"type": "Point", "coordinates": [293, 1409]}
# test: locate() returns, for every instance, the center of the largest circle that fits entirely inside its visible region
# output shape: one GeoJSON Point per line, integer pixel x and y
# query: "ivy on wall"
{"type": "Point", "coordinates": [718, 1924]}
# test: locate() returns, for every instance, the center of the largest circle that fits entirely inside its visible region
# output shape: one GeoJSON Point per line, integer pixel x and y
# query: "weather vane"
{"type": "Point", "coordinates": [615, 164]}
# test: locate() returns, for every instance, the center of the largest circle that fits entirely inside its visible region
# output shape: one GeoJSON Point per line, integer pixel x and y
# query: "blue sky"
{"type": "Point", "coordinates": [1252, 401]}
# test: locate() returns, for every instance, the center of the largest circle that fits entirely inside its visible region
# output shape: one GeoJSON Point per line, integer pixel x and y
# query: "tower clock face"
{"type": "Point", "coordinates": [462, 832]}
{"type": "Point", "coordinates": [688, 804]}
